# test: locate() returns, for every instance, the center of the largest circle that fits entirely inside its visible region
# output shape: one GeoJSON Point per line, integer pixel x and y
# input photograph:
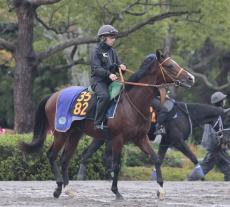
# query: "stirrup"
{"type": "Point", "coordinates": [101, 126]}
{"type": "Point", "coordinates": [160, 130]}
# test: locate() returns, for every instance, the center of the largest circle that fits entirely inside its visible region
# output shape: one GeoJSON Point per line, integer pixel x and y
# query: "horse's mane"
{"type": "Point", "coordinates": [143, 69]}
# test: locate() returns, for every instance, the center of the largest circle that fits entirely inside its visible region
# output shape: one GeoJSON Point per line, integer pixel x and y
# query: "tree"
{"type": "Point", "coordinates": [28, 60]}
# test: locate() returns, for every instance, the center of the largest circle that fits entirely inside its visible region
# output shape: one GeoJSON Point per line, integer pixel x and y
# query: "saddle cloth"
{"type": "Point", "coordinates": [78, 103]}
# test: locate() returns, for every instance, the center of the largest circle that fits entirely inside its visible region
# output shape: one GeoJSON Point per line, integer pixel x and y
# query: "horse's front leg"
{"type": "Point", "coordinates": [163, 147]}
{"type": "Point", "coordinates": [117, 145]}
{"type": "Point", "coordinates": [145, 146]}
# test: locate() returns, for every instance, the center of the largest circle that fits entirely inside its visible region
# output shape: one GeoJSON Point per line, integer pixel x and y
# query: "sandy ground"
{"type": "Point", "coordinates": [97, 193]}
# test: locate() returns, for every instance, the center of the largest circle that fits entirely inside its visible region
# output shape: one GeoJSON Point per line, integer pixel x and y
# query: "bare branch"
{"type": "Point", "coordinates": [45, 25]}
{"type": "Point", "coordinates": [41, 2]}
{"type": "Point", "coordinates": [152, 20]}
{"type": "Point", "coordinates": [74, 50]}
{"type": "Point", "coordinates": [67, 66]}
{"type": "Point", "coordinates": [6, 45]}
{"type": "Point", "coordinates": [137, 13]}
{"type": "Point", "coordinates": [62, 46]}
{"type": "Point", "coordinates": [119, 14]}
{"type": "Point", "coordinates": [88, 40]}
{"type": "Point", "coordinates": [204, 62]}
{"type": "Point", "coordinates": [208, 83]}
{"type": "Point", "coordinates": [128, 8]}
{"type": "Point", "coordinates": [62, 28]}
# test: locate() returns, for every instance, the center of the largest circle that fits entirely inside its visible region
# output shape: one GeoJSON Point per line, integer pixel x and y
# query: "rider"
{"type": "Point", "coordinates": [104, 64]}
{"type": "Point", "coordinates": [162, 112]}
{"type": "Point", "coordinates": [216, 145]}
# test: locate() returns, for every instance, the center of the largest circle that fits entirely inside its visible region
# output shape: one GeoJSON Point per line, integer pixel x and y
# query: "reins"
{"type": "Point", "coordinates": [144, 84]}
{"type": "Point", "coordinates": [164, 85]}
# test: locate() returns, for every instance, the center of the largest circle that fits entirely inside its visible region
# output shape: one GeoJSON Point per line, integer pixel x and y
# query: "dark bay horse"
{"type": "Point", "coordinates": [187, 116]}
{"type": "Point", "coordinates": [178, 129]}
{"type": "Point", "coordinates": [131, 123]}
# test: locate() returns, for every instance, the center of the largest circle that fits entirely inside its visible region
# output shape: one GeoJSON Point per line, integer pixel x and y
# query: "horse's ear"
{"type": "Point", "coordinates": [159, 55]}
{"type": "Point", "coordinates": [166, 52]}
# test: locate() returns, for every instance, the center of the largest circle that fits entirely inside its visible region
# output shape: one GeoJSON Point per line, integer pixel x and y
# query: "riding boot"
{"type": "Point", "coordinates": [102, 106]}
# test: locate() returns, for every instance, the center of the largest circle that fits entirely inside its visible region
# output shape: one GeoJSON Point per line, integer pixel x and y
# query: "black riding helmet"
{"type": "Point", "coordinates": [218, 98]}
{"type": "Point", "coordinates": [106, 30]}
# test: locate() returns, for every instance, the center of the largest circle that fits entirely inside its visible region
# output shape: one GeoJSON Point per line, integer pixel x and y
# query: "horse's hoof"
{"type": "Point", "coordinates": [119, 197]}
{"type": "Point", "coordinates": [57, 193]}
{"type": "Point", "coordinates": [68, 191]}
{"type": "Point", "coordinates": [161, 195]}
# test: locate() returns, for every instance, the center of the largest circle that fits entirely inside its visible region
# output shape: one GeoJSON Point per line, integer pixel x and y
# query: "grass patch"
{"type": "Point", "coordinates": [169, 174]}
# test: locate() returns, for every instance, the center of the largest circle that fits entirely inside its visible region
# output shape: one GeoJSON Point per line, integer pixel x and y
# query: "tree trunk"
{"type": "Point", "coordinates": [25, 62]}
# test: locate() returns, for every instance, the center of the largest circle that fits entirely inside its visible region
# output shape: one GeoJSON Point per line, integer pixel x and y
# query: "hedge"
{"type": "Point", "coordinates": [15, 165]}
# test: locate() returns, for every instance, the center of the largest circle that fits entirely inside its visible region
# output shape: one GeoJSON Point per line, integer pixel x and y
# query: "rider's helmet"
{"type": "Point", "coordinates": [217, 97]}
{"type": "Point", "coordinates": [107, 29]}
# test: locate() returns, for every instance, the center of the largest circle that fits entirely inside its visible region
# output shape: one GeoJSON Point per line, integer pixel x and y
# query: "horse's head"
{"type": "Point", "coordinates": [171, 72]}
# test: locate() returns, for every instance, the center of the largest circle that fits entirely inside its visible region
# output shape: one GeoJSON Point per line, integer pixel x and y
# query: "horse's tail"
{"type": "Point", "coordinates": [40, 129]}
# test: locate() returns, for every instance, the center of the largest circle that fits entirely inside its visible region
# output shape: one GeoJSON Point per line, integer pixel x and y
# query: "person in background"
{"type": "Point", "coordinates": [216, 141]}
{"type": "Point", "coordinates": [162, 113]}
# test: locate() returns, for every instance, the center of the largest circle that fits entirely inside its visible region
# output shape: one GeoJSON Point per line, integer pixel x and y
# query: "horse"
{"type": "Point", "coordinates": [179, 128]}
{"type": "Point", "coordinates": [131, 123]}
{"type": "Point", "coordinates": [185, 117]}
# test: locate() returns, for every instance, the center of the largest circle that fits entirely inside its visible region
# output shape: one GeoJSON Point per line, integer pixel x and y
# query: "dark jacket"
{"type": "Point", "coordinates": [104, 61]}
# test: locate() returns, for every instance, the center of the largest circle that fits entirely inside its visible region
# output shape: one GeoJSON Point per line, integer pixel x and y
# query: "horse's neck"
{"type": "Point", "coordinates": [201, 114]}
{"type": "Point", "coordinates": [142, 97]}
{"type": "Point", "coordinates": [184, 112]}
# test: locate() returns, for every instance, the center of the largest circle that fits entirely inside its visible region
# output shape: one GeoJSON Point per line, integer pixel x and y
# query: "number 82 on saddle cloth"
{"type": "Point", "coordinates": [82, 103]}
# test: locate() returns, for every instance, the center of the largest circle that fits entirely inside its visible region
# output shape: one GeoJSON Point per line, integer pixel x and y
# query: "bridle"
{"type": "Point", "coordinates": [163, 85]}
{"type": "Point", "coordinates": [173, 78]}
{"type": "Point", "coordinates": [163, 72]}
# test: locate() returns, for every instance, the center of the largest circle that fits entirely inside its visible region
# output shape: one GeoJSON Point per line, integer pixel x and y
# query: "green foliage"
{"type": "Point", "coordinates": [132, 156]}
{"type": "Point", "coordinates": [189, 34]}
{"type": "Point", "coordinates": [173, 161]}
{"type": "Point", "coordinates": [15, 165]}
{"type": "Point", "coordinates": [169, 174]}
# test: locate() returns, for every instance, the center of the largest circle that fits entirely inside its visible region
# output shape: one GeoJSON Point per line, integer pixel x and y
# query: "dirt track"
{"type": "Point", "coordinates": [97, 193]}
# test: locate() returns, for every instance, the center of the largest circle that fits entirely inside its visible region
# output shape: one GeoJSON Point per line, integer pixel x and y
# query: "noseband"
{"type": "Point", "coordinates": [165, 72]}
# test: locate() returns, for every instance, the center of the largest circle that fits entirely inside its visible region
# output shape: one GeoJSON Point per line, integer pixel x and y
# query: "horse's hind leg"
{"type": "Point", "coordinates": [52, 154]}
{"type": "Point", "coordinates": [183, 147]}
{"type": "Point", "coordinates": [145, 146]}
{"type": "Point", "coordinates": [87, 153]}
{"type": "Point", "coordinates": [68, 152]}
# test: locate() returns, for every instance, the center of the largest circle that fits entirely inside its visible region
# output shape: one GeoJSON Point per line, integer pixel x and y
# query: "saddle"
{"type": "Point", "coordinates": [78, 103]}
